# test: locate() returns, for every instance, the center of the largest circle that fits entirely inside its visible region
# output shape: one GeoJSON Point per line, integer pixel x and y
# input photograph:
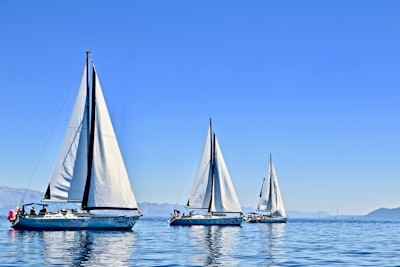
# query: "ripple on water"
{"type": "Point", "coordinates": [154, 243]}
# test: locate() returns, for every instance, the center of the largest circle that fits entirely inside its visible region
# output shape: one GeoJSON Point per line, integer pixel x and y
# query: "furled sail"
{"type": "Point", "coordinates": [110, 187]}
{"type": "Point", "coordinates": [69, 175]}
{"type": "Point", "coordinates": [270, 195]}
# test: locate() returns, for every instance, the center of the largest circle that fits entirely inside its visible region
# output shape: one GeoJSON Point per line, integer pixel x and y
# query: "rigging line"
{"type": "Point", "coordinates": [52, 130]}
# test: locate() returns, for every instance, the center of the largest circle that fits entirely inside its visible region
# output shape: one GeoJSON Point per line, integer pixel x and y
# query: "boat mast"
{"type": "Point", "coordinates": [91, 129]}
{"type": "Point", "coordinates": [87, 94]}
{"type": "Point", "coordinates": [272, 193]}
{"type": "Point", "coordinates": [212, 162]}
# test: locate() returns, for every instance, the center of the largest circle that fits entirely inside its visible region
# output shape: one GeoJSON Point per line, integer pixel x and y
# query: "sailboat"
{"type": "Point", "coordinates": [270, 200]}
{"type": "Point", "coordinates": [212, 191]}
{"type": "Point", "coordinates": [90, 170]}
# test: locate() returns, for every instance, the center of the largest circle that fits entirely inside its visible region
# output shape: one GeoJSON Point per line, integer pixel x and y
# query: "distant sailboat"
{"type": "Point", "coordinates": [212, 191]}
{"type": "Point", "coordinates": [270, 200]}
{"type": "Point", "coordinates": [90, 170]}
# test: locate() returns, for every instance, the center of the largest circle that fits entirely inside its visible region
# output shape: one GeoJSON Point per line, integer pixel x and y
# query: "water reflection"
{"type": "Point", "coordinates": [74, 248]}
{"type": "Point", "coordinates": [214, 245]}
{"type": "Point", "coordinates": [153, 243]}
{"type": "Point", "coordinates": [273, 236]}
{"type": "Point", "coordinates": [66, 247]}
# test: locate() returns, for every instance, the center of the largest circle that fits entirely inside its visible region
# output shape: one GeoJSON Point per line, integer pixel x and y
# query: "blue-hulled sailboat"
{"type": "Point", "coordinates": [90, 170]}
{"type": "Point", "coordinates": [212, 191]}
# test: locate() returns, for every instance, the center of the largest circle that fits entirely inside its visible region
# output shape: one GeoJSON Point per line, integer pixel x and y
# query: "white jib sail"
{"type": "Point", "coordinates": [224, 196]}
{"type": "Point", "coordinates": [270, 197]}
{"type": "Point", "coordinates": [200, 195]}
{"type": "Point", "coordinates": [110, 186]}
{"type": "Point", "coordinates": [69, 175]}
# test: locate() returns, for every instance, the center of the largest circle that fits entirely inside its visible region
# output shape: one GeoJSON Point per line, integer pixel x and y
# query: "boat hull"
{"type": "Point", "coordinates": [75, 222]}
{"type": "Point", "coordinates": [206, 220]}
{"type": "Point", "coordinates": [265, 219]}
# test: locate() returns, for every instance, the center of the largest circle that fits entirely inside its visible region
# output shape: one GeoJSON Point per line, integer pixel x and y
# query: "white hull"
{"type": "Point", "coordinates": [206, 220]}
{"type": "Point", "coordinates": [265, 219]}
{"type": "Point", "coordinates": [78, 221]}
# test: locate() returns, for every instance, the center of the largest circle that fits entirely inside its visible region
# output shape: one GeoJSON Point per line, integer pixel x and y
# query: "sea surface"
{"type": "Point", "coordinates": [152, 242]}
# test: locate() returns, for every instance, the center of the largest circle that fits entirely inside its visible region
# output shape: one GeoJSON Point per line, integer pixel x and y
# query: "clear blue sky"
{"type": "Point", "coordinates": [315, 83]}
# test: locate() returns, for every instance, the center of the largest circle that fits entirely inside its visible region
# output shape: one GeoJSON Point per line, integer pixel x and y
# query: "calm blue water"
{"type": "Point", "coordinates": [154, 243]}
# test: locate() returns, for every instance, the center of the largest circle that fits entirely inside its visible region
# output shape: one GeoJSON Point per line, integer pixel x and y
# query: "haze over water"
{"type": "Point", "coordinates": [154, 243]}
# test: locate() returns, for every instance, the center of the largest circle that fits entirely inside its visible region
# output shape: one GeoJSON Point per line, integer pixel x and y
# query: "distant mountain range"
{"type": "Point", "coordinates": [10, 197]}
{"type": "Point", "coordinates": [384, 213]}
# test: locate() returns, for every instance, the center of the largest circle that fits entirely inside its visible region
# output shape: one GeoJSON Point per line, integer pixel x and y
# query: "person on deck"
{"type": "Point", "coordinates": [32, 212]}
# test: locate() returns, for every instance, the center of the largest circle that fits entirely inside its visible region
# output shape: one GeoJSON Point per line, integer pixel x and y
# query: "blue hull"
{"type": "Point", "coordinates": [206, 220]}
{"type": "Point", "coordinates": [78, 222]}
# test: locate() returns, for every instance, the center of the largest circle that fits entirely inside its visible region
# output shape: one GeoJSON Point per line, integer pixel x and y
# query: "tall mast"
{"type": "Point", "coordinates": [270, 159]}
{"type": "Point", "coordinates": [271, 186]}
{"type": "Point", "coordinates": [212, 162]}
{"type": "Point", "coordinates": [91, 129]}
{"type": "Point", "coordinates": [87, 94]}
{"type": "Point", "coordinates": [211, 142]}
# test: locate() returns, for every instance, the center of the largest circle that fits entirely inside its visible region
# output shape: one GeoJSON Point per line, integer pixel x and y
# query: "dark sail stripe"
{"type": "Point", "coordinates": [91, 140]}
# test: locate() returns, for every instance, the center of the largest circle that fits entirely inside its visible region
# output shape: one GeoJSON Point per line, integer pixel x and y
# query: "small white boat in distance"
{"type": "Point", "coordinates": [90, 171]}
{"type": "Point", "coordinates": [270, 200]}
{"type": "Point", "coordinates": [212, 191]}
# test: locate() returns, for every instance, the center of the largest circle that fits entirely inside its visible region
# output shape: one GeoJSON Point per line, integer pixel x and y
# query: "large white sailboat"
{"type": "Point", "coordinates": [212, 191]}
{"type": "Point", "coordinates": [270, 200]}
{"type": "Point", "coordinates": [90, 171]}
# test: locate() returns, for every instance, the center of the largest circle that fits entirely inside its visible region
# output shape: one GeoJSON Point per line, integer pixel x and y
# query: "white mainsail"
{"type": "Point", "coordinates": [89, 170]}
{"type": "Point", "coordinates": [69, 175]}
{"type": "Point", "coordinates": [224, 196]}
{"type": "Point", "coordinates": [270, 195]}
{"type": "Point", "coordinates": [109, 184]}
{"type": "Point", "coordinates": [212, 188]}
